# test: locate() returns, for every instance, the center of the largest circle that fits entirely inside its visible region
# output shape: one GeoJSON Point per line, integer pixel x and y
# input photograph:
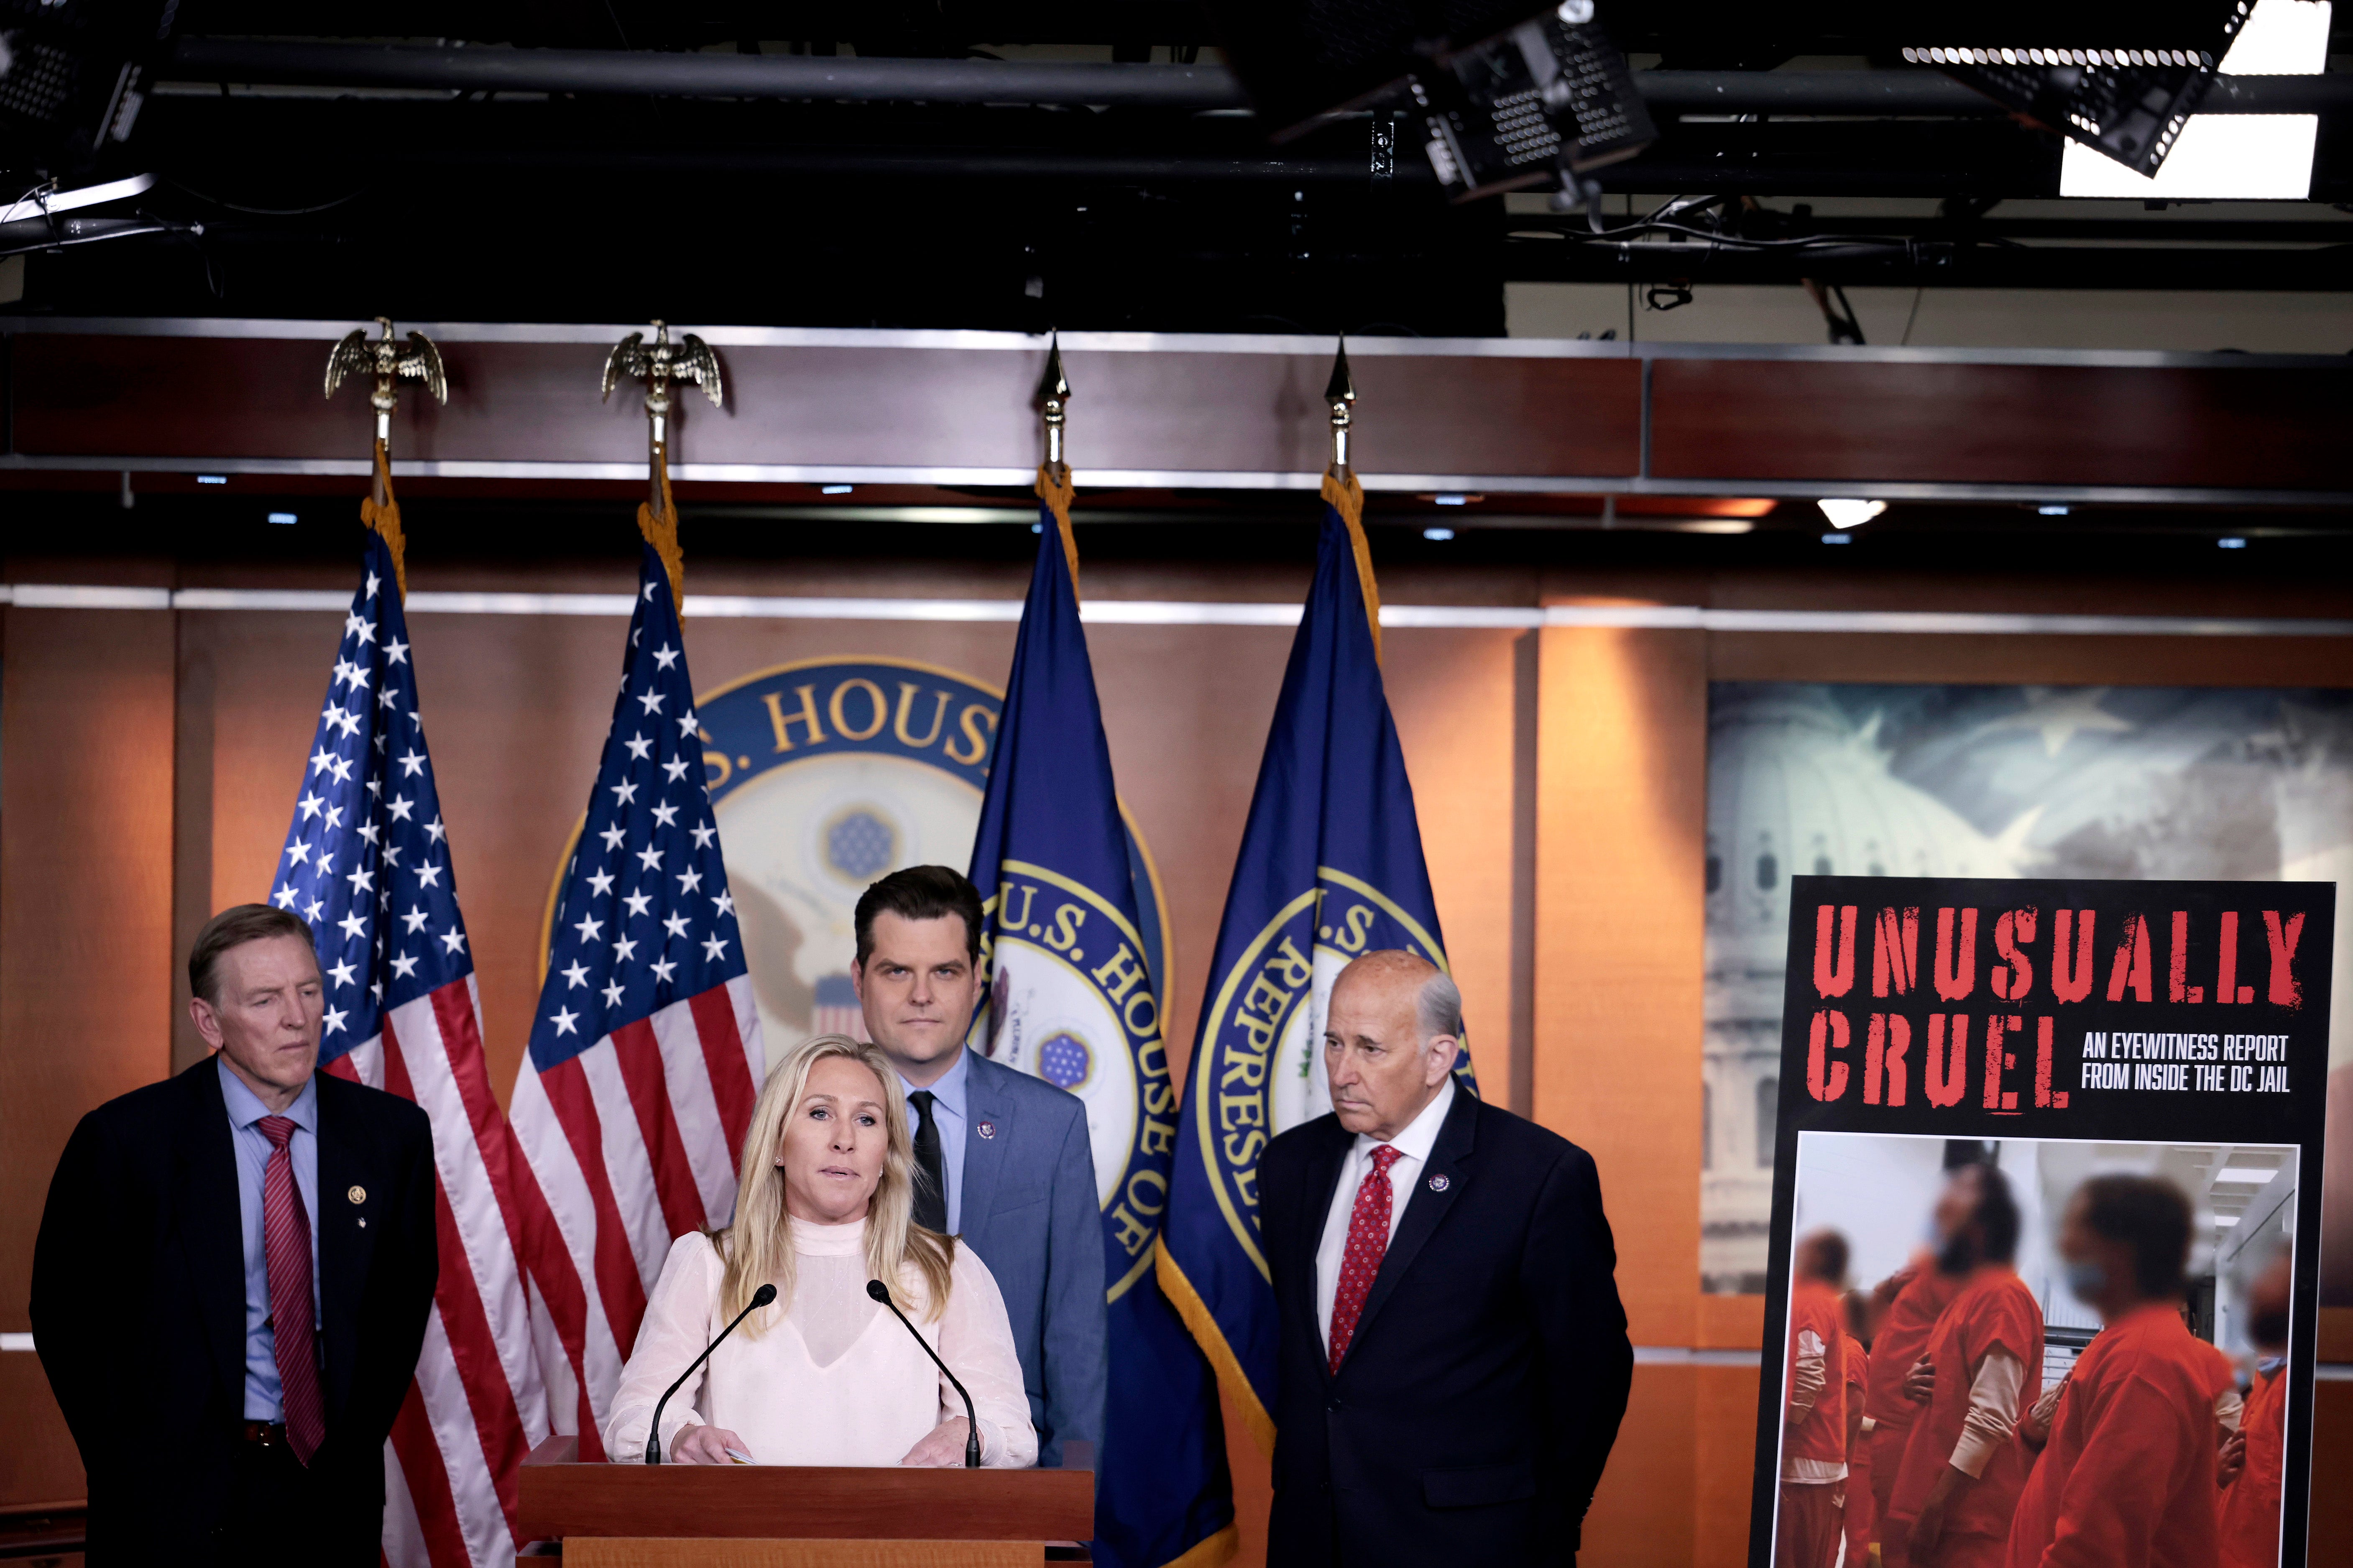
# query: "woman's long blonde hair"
{"type": "Point", "coordinates": [758, 1247]}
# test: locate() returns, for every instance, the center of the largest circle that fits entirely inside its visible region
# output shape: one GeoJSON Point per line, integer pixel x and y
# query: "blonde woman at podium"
{"type": "Point", "coordinates": [826, 1375]}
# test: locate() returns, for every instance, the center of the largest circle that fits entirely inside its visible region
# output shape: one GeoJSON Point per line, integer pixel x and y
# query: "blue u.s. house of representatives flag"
{"type": "Point", "coordinates": [1331, 867]}
{"type": "Point", "coordinates": [1065, 957]}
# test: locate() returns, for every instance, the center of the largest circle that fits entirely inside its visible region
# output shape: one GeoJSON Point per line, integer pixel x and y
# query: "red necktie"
{"type": "Point", "coordinates": [286, 1246]}
{"type": "Point", "coordinates": [1368, 1238]}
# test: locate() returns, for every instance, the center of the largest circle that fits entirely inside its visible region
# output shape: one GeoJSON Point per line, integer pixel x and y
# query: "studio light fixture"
{"type": "Point", "coordinates": [1838, 538]}
{"type": "Point", "coordinates": [833, 489]}
{"type": "Point", "coordinates": [1846, 512]}
{"type": "Point", "coordinates": [2243, 157]}
{"type": "Point", "coordinates": [2052, 511]}
{"type": "Point", "coordinates": [1440, 535]}
{"type": "Point", "coordinates": [2232, 543]}
{"type": "Point", "coordinates": [212, 478]}
{"type": "Point", "coordinates": [282, 516]}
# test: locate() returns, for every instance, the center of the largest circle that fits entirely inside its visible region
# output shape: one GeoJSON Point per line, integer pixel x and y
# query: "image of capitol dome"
{"type": "Point", "coordinates": [1795, 787]}
{"type": "Point", "coordinates": [1976, 780]}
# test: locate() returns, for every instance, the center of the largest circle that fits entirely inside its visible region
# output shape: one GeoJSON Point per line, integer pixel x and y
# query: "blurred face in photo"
{"type": "Point", "coordinates": [264, 1015]}
{"type": "Point", "coordinates": [917, 989]}
{"type": "Point", "coordinates": [834, 1142]}
{"type": "Point", "coordinates": [1957, 1242]}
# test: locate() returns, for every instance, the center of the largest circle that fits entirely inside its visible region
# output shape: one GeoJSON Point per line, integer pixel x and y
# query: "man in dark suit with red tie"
{"type": "Point", "coordinates": [1452, 1359]}
{"type": "Point", "coordinates": [232, 1279]}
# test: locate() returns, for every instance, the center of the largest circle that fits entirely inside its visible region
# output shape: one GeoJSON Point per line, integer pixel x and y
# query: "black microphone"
{"type": "Point", "coordinates": [882, 1292]}
{"type": "Point", "coordinates": [760, 1297]}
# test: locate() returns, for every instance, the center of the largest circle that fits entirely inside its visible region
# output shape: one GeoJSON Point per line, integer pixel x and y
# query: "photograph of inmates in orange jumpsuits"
{"type": "Point", "coordinates": [2074, 1354]}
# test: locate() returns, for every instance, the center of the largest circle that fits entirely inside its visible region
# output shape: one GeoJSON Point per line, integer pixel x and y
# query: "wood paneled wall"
{"type": "Point", "coordinates": [152, 761]}
{"type": "Point", "coordinates": [86, 956]}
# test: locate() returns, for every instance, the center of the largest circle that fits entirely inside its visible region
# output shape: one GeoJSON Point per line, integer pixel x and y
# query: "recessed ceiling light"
{"type": "Point", "coordinates": [2253, 1175]}
{"type": "Point", "coordinates": [1438, 533]}
{"type": "Point", "coordinates": [2234, 543]}
{"type": "Point", "coordinates": [1846, 512]}
{"type": "Point", "coordinates": [282, 517]}
{"type": "Point", "coordinates": [2226, 1219]}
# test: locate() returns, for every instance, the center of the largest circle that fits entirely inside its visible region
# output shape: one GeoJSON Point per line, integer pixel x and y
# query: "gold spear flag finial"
{"type": "Point", "coordinates": [1341, 490]}
{"type": "Point", "coordinates": [658, 364]}
{"type": "Point", "coordinates": [388, 361]}
{"type": "Point", "coordinates": [1053, 400]}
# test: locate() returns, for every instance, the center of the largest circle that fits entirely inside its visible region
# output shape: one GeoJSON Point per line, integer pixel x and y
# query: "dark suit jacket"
{"type": "Point", "coordinates": [1483, 1390]}
{"type": "Point", "coordinates": [1029, 1212]}
{"type": "Point", "coordinates": [139, 1311]}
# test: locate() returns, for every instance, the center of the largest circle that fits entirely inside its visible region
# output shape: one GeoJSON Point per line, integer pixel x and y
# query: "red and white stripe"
{"type": "Point", "coordinates": [632, 1143]}
{"type": "Point", "coordinates": [477, 1404]}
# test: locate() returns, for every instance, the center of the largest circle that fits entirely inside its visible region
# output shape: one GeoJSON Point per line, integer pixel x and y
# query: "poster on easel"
{"type": "Point", "coordinates": [2046, 1220]}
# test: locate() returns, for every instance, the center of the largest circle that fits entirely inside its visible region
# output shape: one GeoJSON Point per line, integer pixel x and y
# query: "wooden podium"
{"type": "Point", "coordinates": [780, 1516]}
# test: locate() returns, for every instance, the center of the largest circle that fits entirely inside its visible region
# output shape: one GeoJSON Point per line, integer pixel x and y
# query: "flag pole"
{"type": "Point", "coordinates": [1341, 489]}
{"type": "Point", "coordinates": [387, 360]}
{"type": "Point", "coordinates": [1053, 400]}
{"type": "Point", "coordinates": [658, 364]}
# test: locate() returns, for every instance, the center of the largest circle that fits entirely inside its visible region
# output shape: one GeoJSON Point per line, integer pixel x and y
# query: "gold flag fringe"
{"type": "Point", "coordinates": [1056, 491]}
{"type": "Point", "coordinates": [661, 531]}
{"type": "Point", "coordinates": [1347, 497]}
{"type": "Point", "coordinates": [385, 520]}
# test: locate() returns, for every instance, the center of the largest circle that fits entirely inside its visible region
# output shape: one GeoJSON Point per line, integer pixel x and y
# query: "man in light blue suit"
{"type": "Point", "coordinates": [1002, 1157]}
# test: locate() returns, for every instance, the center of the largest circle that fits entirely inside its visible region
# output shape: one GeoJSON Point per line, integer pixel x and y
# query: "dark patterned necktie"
{"type": "Point", "coordinates": [1368, 1241]}
{"type": "Point", "coordinates": [286, 1249]}
{"type": "Point", "coordinates": [931, 1187]}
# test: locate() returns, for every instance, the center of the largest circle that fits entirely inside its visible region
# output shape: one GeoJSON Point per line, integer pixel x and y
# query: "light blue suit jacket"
{"type": "Point", "coordinates": [1029, 1212]}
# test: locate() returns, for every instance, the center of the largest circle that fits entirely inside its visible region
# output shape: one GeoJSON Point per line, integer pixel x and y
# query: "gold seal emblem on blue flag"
{"type": "Point", "coordinates": [1331, 867]}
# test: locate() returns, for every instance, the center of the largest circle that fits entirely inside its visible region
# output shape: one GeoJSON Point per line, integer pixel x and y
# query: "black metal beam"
{"type": "Point", "coordinates": [638, 73]}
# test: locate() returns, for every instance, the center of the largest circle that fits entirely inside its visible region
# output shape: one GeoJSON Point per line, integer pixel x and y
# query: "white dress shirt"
{"type": "Point", "coordinates": [1413, 1146]}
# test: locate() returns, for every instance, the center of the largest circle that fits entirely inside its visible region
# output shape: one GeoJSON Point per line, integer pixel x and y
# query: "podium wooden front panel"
{"type": "Point", "coordinates": [727, 1514]}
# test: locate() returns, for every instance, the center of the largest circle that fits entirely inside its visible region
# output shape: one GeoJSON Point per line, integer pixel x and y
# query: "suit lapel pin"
{"type": "Point", "coordinates": [1439, 1183]}
{"type": "Point", "coordinates": [989, 1129]}
{"type": "Point", "coordinates": [357, 1194]}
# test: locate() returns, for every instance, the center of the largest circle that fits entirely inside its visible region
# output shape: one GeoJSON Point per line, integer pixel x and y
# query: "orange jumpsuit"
{"type": "Point", "coordinates": [2127, 1477]}
{"type": "Point", "coordinates": [1813, 1439]}
{"type": "Point", "coordinates": [1903, 1335]}
{"type": "Point", "coordinates": [1859, 1512]}
{"type": "Point", "coordinates": [2251, 1505]}
{"type": "Point", "coordinates": [1992, 1309]}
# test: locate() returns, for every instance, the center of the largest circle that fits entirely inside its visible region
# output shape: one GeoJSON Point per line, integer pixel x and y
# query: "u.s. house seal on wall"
{"type": "Point", "coordinates": [828, 773]}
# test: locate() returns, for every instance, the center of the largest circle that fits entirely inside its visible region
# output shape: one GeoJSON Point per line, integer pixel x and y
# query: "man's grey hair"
{"type": "Point", "coordinates": [1437, 1007]}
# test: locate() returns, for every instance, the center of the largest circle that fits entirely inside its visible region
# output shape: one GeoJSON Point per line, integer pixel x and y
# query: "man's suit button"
{"type": "Point", "coordinates": [1333, 1406]}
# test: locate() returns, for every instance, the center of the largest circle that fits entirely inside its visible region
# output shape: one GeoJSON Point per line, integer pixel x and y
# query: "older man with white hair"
{"type": "Point", "coordinates": [1451, 1361]}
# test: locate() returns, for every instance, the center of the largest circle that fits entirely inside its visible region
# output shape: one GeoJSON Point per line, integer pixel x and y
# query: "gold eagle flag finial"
{"type": "Point", "coordinates": [1341, 490]}
{"type": "Point", "coordinates": [658, 364]}
{"type": "Point", "coordinates": [1053, 401]}
{"type": "Point", "coordinates": [389, 361]}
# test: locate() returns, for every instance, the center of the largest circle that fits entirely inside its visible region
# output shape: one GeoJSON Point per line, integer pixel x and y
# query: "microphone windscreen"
{"type": "Point", "coordinates": [880, 1291]}
{"type": "Point", "coordinates": [764, 1295]}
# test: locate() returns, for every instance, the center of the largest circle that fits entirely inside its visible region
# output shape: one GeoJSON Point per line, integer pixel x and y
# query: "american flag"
{"type": "Point", "coordinates": [645, 1051]}
{"type": "Point", "coordinates": [367, 864]}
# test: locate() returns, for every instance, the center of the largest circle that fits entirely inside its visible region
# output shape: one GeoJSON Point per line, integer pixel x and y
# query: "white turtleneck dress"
{"type": "Point", "coordinates": [832, 1378]}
